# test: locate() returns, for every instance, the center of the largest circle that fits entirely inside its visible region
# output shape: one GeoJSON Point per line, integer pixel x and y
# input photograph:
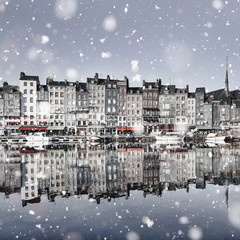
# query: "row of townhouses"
{"type": "Point", "coordinates": [111, 106]}
{"type": "Point", "coordinates": [112, 170]}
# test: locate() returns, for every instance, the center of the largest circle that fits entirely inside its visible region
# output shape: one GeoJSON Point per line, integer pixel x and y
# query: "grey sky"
{"type": "Point", "coordinates": [181, 41]}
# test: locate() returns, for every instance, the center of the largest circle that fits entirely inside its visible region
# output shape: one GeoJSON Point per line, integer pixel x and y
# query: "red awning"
{"type": "Point", "coordinates": [32, 128]}
{"type": "Point", "coordinates": [121, 128]}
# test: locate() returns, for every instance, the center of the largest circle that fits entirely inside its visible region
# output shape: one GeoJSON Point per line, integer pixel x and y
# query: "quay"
{"type": "Point", "coordinates": [21, 139]}
{"type": "Point", "coordinates": [197, 138]}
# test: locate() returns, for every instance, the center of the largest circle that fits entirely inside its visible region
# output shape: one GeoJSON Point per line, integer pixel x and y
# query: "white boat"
{"type": "Point", "coordinates": [215, 138]}
{"type": "Point", "coordinates": [95, 139]}
{"type": "Point", "coordinates": [169, 137]}
{"type": "Point", "coordinates": [39, 137]}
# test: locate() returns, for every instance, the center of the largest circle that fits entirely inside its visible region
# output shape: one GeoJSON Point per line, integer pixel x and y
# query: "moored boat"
{"type": "Point", "coordinates": [39, 137]}
{"type": "Point", "coordinates": [169, 137]}
{"type": "Point", "coordinates": [95, 139]}
{"type": "Point", "coordinates": [215, 138]}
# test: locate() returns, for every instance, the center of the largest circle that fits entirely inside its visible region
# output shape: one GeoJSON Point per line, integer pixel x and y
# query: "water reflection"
{"type": "Point", "coordinates": [111, 171]}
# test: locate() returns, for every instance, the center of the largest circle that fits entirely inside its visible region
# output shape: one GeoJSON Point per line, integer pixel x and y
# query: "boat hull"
{"type": "Point", "coordinates": [219, 139]}
{"type": "Point", "coordinates": [163, 139]}
{"type": "Point", "coordinates": [94, 139]}
{"type": "Point", "coordinates": [39, 138]}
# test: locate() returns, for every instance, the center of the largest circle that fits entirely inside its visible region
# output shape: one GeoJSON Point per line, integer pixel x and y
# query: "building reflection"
{"type": "Point", "coordinates": [113, 170]}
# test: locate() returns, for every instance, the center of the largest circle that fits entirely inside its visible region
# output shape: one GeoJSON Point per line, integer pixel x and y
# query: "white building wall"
{"type": "Point", "coordinates": [28, 89]}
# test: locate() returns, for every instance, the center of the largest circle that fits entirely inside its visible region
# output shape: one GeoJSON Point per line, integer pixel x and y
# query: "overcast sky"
{"type": "Point", "coordinates": [180, 41]}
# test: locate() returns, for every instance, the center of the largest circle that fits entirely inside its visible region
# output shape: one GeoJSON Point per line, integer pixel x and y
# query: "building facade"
{"type": "Point", "coordinates": [167, 107]}
{"type": "Point", "coordinates": [134, 110]}
{"type": "Point", "coordinates": [150, 91]}
{"type": "Point", "coordinates": [28, 88]}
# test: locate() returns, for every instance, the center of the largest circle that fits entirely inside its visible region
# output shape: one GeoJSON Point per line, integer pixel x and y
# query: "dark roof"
{"type": "Point", "coordinates": [170, 89]}
{"type": "Point", "coordinates": [191, 95]}
{"type": "Point", "coordinates": [134, 90]}
{"type": "Point", "coordinates": [101, 81]}
{"type": "Point", "coordinates": [220, 95]}
{"type": "Point", "coordinates": [23, 76]}
{"type": "Point", "coordinates": [11, 89]}
{"type": "Point", "coordinates": [235, 94]}
{"type": "Point", "coordinates": [153, 85]}
{"type": "Point", "coordinates": [98, 81]}
{"type": "Point", "coordinates": [43, 87]}
{"type": "Point", "coordinates": [81, 86]}
{"type": "Point", "coordinates": [181, 90]}
{"type": "Point", "coordinates": [200, 90]}
{"type": "Point", "coordinates": [237, 102]}
{"type": "Point", "coordinates": [61, 83]}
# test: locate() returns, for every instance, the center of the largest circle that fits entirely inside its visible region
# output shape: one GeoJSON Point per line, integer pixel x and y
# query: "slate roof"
{"type": "Point", "coordinates": [43, 87]}
{"type": "Point", "coordinates": [61, 83]}
{"type": "Point", "coordinates": [235, 94]}
{"type": "Point", "coordinates": [221, 96]}
{"type": "Point", "coordinates": [134, 90]}
{"type": "Point", "coordinates": [200, 90]}
{"type": "Point", "coordinates": [153, 85]}
{"type": "Point", "coordinates": [25, 77]}
{"type": "Point", "coordinates": [191, 95]}
{"type": "Point", "coordinates": [170, 88]}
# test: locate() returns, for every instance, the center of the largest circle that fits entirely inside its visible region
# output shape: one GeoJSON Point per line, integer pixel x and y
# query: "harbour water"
{"type": "Point", "coordinates": [128, 191]}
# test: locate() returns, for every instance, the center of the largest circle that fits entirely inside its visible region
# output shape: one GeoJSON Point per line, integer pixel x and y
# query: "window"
{"type": "Point", "coordinates": [31, 91]}
{"type": "Point", "coordinates": [31, 99]}
{"type": "Point", "coordinates": [56, 94]}
{"type": "Point", "coordinates": [25, 100]}
{"type": "Point", "coordinates": [25, 91]}
{"type": "Point", "coordinates": [31, 108]}
{"type": "Point", "coordinates": [31, 84]}
{"type": "Point", "coordinates": [25, 83]}
{"type": "Point", "coordinates": [150, 95]}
